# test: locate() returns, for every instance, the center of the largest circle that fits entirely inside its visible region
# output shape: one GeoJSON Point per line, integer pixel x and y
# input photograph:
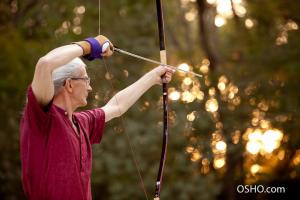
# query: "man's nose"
{"type": "Point", "coordinates": [90, 88]}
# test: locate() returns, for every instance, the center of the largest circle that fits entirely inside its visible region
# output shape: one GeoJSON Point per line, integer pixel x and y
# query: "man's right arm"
{"type": "Point", "coordinates": [42, 84]}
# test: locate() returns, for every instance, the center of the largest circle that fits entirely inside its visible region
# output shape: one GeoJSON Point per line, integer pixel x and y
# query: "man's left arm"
{"type": "Point", "coordinates": [124, 99]}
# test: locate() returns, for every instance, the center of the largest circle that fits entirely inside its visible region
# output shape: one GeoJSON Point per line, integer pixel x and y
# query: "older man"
{"type": "Point", "coordinates": [56, 141]}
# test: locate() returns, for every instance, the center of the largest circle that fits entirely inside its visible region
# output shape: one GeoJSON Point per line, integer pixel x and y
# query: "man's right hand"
{"type": "Point", "coordinates": [86, 46]}
{"type": "Point", "coordinates": [102, 40]}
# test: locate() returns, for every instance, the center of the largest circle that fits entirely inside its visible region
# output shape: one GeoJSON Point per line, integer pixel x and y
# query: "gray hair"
{"type": "Point", "coordinates": [69, 70]}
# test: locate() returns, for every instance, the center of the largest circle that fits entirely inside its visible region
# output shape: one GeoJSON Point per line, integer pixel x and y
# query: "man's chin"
{"type": "Point", "coordinates": [83, 103]}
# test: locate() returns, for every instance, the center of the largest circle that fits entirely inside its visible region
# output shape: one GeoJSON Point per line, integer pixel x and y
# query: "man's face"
{"type": "Point", "coordinates": [81, 88]}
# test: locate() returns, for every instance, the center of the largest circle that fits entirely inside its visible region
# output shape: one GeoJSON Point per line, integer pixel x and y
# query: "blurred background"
{"type": "Point", "coordinates": [238, 125]}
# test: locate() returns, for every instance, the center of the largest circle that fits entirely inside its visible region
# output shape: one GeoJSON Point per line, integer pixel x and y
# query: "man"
{"type": "Point", "coordinates": [56, 141]}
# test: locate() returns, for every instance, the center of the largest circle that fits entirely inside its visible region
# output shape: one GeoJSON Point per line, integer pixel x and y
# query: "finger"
{"type": "Point", "coordinates": [105, 47]}
{"type": "Point", "coordinates": [167, 70]}
{"type": "Point", "coordinates": [111, 45]}
{"type": "Point", "coordinates": [166, 79]}
{"type": "Point", "coordinates": [170, 71]}
{"type": "Point", "coordinates": [107, 53]}
{"type": "Point", "coordinates": [169, 78]}
{"type": "Point", "coordinates": [168, 75]}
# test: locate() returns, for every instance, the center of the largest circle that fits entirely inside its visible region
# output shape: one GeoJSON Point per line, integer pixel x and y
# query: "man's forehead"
{"type": "Point", "coordinates": [82, 71]}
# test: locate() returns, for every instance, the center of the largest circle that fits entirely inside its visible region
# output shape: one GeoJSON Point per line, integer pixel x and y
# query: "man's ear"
{"type": "Point", "coordinates": [68, 85]}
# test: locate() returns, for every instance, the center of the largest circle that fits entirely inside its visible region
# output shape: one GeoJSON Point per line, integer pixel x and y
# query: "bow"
{"type": "Point", "coordinates": [163, 59]}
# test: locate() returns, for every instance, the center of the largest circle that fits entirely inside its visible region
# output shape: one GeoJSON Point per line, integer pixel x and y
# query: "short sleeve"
{"type": "Point", "coordinates": [34, 112]}
{"type": "Point", "coordinates": [92, 121]}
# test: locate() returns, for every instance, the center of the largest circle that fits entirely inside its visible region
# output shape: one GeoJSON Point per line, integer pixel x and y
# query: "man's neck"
{"type": "Point", "coordinates": [63, 101]}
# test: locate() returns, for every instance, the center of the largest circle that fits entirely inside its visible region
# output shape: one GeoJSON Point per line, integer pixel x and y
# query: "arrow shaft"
{"type": "Point", "coordinates": [155, 61]}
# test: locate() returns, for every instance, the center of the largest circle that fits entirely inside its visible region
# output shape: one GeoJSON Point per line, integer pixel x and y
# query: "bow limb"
{"type": "Point", "coordinates": [163, 59]}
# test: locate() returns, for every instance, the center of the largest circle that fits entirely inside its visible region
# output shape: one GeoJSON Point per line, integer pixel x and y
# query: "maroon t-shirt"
{"type": "Point", "coordinates": [56, 161]}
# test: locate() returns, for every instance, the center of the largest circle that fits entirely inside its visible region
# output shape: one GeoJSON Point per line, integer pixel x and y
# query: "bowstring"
{"type": "Point", "coordinates": [99, 16]}
{"type": "Point", "coordinates": [133, 155]}
{"type": "Point", "coordinates": [132, 152]}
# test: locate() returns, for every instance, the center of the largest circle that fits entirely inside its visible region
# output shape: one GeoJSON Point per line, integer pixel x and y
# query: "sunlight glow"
{"type": "Point", "coordinates": [205, 162]}
{"type": "Point", "coordinates": [281, 154]}
{"type": "Point", "coordinates": [195, 155]}
{"type": "Point", "coordinates": [271, 140]}
{"type": "Point", "coordinates": [191, 15]}
{"type": "Point", "coordinates": [283, 39]}
{"type": "Point", "coordinates": [204, 69]}
{"type": "Point", "coordinates": [221, 86]}
{"type": "Point", "coordinates": [211, 1]}
{"type": "Point", "coordinates": [264, 124]}
{"type": "Point", "coordinates": [187, 97]}
{"type": "Point", "coordinates": [219, 163]}
{"type": "Point", "coordinates": [263, 142]}
{"type": "Point", "coordinates": [174, 95]}
{"type": "Point", "coordinates": [249, 23]}
{"type": "Point", "coordinates": [253, 147]}
{"type": "Point", "coordinates": [296, 159]}
{"type": "Point", "coordinates": [221, 146]}
{"type": "Point", "coordinates": [212, 91]}
{"type": "Point", "coordinates": [189, 149]}
{"type": "Point", "coordinates": [191, 116]}
{"type": "Point", "coordinates": [240, 10]}
{"type": "Point", "coordinates": [77, 30]}
{"type": "Point", "coordinates": [291, 25]}
{"type": "Point", "coordinates": [187, 81]}
{"type": "Point", "coordinates": [211, 105]}
{"type": "Point", "coordinates": [200, 95]}
{"type": "Point", "coordinates": [255, 168]}
{"type": "Point", "coordinates": [224, 8]}
{"type": "Point", "coordinates": [185, 67]}
{"type": "Point", "coordinates": [274, 134]}
{"type": "Point", "coordinates": [79, 10]}
{"type": "Point", "coordinates": [220, 21]}
{"type": "Point", "coordinates": [255, 135]}
{"type": "Point", "coordinates": [223, 79]}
